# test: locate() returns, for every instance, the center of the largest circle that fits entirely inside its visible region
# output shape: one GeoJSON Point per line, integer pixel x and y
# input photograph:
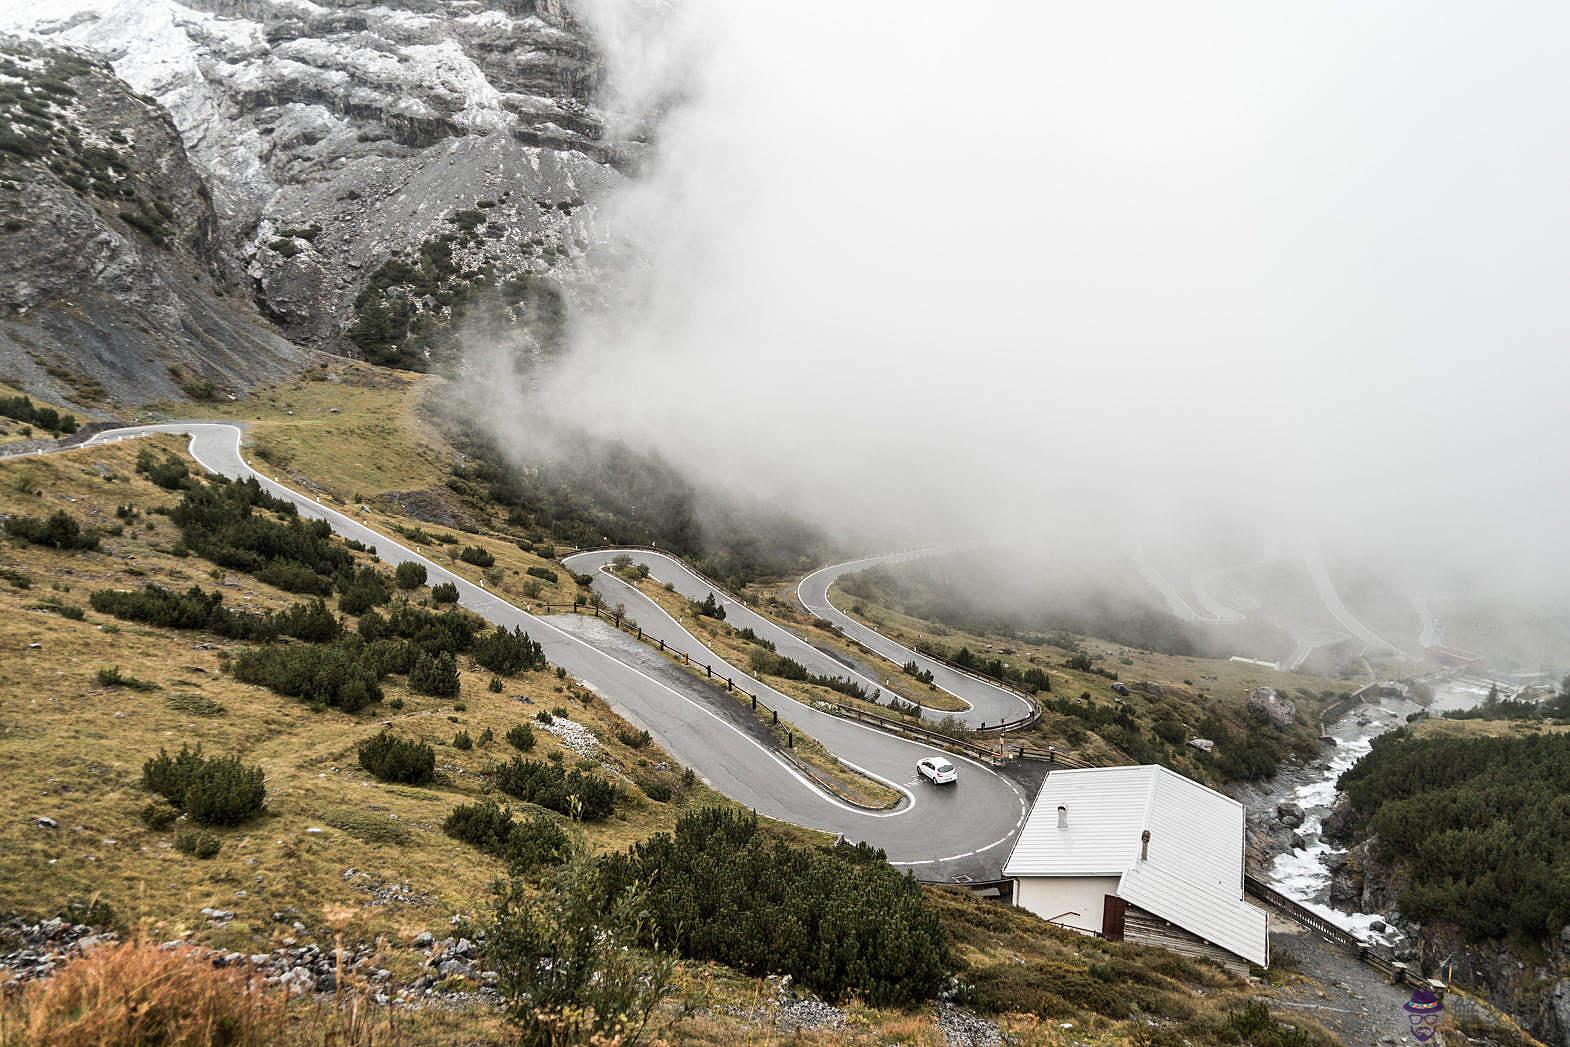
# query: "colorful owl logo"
{"type": "Point", "coordinates": [1424, 1010]}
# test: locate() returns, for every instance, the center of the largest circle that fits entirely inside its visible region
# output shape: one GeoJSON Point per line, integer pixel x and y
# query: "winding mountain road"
{"type": "Point", "coordinates": [939, 833]}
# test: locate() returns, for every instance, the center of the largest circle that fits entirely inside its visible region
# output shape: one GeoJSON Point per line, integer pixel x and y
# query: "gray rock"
{"type": "Point", "coordinates": [43, 821]}
{"type": "Point", "coordinates": [423, 940]}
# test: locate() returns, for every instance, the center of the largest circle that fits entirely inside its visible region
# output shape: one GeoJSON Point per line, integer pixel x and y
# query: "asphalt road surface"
{"type": "Point", "coordinates": [938, 832]}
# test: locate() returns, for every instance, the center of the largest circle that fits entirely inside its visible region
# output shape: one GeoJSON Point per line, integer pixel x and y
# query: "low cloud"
{"type": "Point", "coordinates": [1206, 280]}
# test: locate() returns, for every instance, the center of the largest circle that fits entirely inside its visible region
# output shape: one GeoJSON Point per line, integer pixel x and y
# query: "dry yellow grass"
{"type": "Point", "coordinates": [72, 749]}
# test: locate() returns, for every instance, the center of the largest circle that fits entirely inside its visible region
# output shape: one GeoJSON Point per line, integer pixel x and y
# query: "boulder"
{"type": "Point", "coordinates": [1267, 706]}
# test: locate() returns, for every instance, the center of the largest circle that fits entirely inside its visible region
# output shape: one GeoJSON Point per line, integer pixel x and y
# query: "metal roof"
{"type": "Point", "coordinates": [1193, 875]}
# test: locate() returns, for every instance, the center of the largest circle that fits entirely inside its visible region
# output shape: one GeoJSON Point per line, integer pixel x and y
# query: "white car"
{"type": "Point", "coordinates": [937, 770]}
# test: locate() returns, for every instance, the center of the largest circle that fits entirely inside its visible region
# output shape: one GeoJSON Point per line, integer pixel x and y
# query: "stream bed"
{"type": "Point", "coordinates": [1304, 873]}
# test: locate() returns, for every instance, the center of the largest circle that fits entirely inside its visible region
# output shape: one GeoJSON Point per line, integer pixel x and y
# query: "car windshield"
{"type": "Point", "coordinates": [945, 767]}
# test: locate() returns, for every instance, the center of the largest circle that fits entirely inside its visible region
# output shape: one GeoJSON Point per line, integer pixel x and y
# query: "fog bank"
{"type": "Point", "coordinates": [1200, 276]}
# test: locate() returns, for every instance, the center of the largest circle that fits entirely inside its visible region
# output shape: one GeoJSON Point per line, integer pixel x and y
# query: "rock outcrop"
{"type": "Point", "coordinates": [338, 137]}
{"type": "Point", "coordinates": [114, 286]}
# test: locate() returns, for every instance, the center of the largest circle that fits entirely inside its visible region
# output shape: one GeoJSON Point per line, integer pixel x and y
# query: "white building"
{"type": "Point", "coordinates": [1140, 854]}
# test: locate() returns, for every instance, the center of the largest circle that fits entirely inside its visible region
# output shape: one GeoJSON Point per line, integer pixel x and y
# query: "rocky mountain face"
{"type": "Point", "coordinates": [374, 172]}
{"type": "Point", "coordinates": [114, 284]}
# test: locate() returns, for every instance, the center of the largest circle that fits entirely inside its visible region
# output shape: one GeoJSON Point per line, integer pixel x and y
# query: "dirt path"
{"type": "Point", "coordinates": [1353, 1001]}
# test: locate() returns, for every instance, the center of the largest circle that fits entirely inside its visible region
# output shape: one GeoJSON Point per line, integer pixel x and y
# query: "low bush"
{"type": "Point", "coordinates": [334, 676]}
{"type": "Point", "coordinates": [485, 825]}
{"type": "Point", "coordinates": [476, 555]}
{"type": "Point", "coordinates": [536, 843]}
{"type": "Point", "coordinates": [445, 592]}
{"type": "Point", "coordinates": [508, 653]}
{"type": "Point", "coordinates": [170, 472]}
{"type": "Point", "coordinates": [393, 759]}
{"type": "Point", "coordinates": [198, 843]}
{"type": "Point", "coordinates": [409, 575]}
{"type": "Point", "coordinates": [158, 816]}
{"type": "Point", "coordinates": [521, 737]}
{"type": "Point", "coordinates": [543, 573]}
{"type": "Point", "coordinates": [196, 609]}
{"type": "Point", "coordinates": [217, 790]}
{"type": "Point", "coordinates": [25, 411]}
{"type": "Point", "coordinates": [633, 739]}
{"type": "Point", "coordinates": [461, 740]}
{"type": "Point", "coordinates": [710, 608]}
{"type": "Point", "coordinates": [581, 796]}
{"type": "Point", "coordinates": [839, 924]}
{"type": "Point", "coordinates": [58, 531]}
{"type": "Point", "coordinates": [435, 675]}
{"type": "Point", "coordinates": [362, 589]}
{"type": "Point", "coordinates": [655, 789]}
{"type": "Point", "coordinates": [111, 676]}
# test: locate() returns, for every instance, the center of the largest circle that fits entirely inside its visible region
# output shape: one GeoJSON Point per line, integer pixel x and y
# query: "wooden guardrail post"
{"type": "Point", "coordinates": [730, 685]}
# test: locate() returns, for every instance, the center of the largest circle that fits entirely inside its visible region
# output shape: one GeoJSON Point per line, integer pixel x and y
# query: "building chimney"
{"type": "Point", "coordinates": [1062, 817]}
{"type": "Point", "coordinates": [1144, 845]}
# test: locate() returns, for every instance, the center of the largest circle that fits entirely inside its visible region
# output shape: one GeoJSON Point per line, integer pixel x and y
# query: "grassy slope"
{"type": "Point", "coordinates": [72, 750]}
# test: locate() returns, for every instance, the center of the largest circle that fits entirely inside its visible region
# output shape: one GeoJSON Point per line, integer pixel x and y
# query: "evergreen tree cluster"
{"type": "Point", "coordinates": [195, 609]}
{"type": "Point", "coordinates": [767, 663]}
{"type": "Point", "coordinates": [25, 411]}
{"type": "Point", "coordinates": [524, 846]}
{"type": "Point", "coordinates": [1479, 827]}
{"type": "Point", "coordinates": [211, 790]}
{"type": "Point", "coordinates": [586, 797]}
{"type": "Point", "coordinates": [58, 531]}
{"type": "Point", "coordinates": [838, 920]}
{"type": "Point", "coordinates": [220, 522]}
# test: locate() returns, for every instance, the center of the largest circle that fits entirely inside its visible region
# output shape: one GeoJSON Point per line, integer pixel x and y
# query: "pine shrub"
{"type": "Point", "coordinates": [521, 737]}
{"type": "Point", "coordinates": [393, 759]}
{"type": "Point", "coordinates": [476, 555]}
{"type": "Point", "coordinates": [435, 675]}
{"type": "Point", "coordinates": [409, 575]}
{"type": "Point", "coordinates": [216, 790]}
{"type": "Point", "coordinates": [508, 653]}
{"type": "Point", "coordinates": [444, 592]}
{"type": "Point", "coordinates": [583, 796]}
{"type": "Point", "coordinates": [198, 843]}
{"type": "Point", "coordinates": [58, 531]}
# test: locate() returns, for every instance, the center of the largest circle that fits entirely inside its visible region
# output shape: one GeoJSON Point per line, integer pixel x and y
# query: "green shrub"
{"type": "Point", "coordinates": [633, 739]}
{"type": "Point", "coordinates": [216, 790]}
{"type": "Point", "coordinates": [59, 531]}
{"type": "Point", "coordinates": [223, 791]}
{"type": "Point", "coordinates": [445, 592]}
{"type": "Point", "coordinates": [434, 675]}
{"type": "Point", "coordinates": [484, 825]}
{"type": "Point", "coordinates": [461, 740]}
{"type": "Point", "coordinates": [508, 653]}
{"type": "Point", "coordinates": [362, 589]}
{"type": "Point", "coordinates": [327, 675]}
{"type": "Point", "coordinates": [766, 906]}
{"type": "Point", "coordinates": [409, 575]}
{"type": "Point", "coordinates": [655, 789]}
{"type": "Point", "coordinates": [582, 796]}
{"type": "Point", "coordinates": [542, 573]}
{"type": "Point", "coordinates": [170, 472]}
{"type": "Point", "coordinates": [158, 816]}
{"type": "Point", "coordinates": [393, 759]}
{"type": "Point", "coordinates": [569, 970]}
{"type": "Point", "coordinates": [1047, 989]}
{"type": "Point", "coordinates": [485, 738]}
{"type": "Point", "coordinates": [111, 676]}
{"type": "Point", "coordinates": [476, 555]}
{"type": "Point", "coordinates": [710, 608]}
{"type": "Point", "coordinates": [535, 843]}
{"type": "Point", "coordinates": [220, 522]}
{"type": "Point", "coordinates": [196, 705]}
{"type": "Point", "coordinates": [521, 736]}
{"type": "Point", "coordinates": [25, 411]}
{"type": "Point", "coordinates": [198, 843]}
{"type": "Point", "coordinates": [495, 686]}
{"type": "Point", "coordinates": [195, 609]}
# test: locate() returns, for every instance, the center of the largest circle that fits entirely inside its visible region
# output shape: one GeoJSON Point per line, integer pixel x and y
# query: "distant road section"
{"type": "Point", "coordinates": [989, 703]}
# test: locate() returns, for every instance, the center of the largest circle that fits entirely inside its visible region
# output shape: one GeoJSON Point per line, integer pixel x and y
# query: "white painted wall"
{"type": "Point", "coordinates": [1051, 896]}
